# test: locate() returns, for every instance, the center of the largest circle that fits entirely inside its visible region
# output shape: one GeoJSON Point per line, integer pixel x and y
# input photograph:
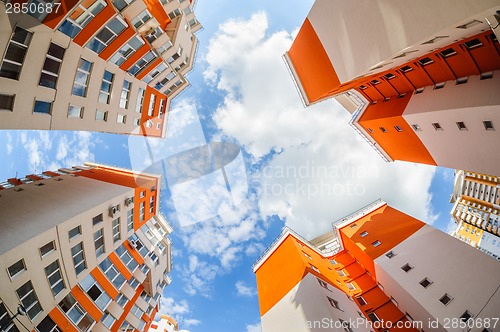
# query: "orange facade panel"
{"type": "Point", "coordinates": [312, 64]}
{"type": "Point", "coordinates": [120, 266]}
{"type": "Point", "coordinates": [156, 9]}
{"type": "Point", "coordinates": [62, 322]}
{"type": "Point", "coordinates": [105, 283]}
{"type": "Point", "coordinates": [87, 303]}
{"type": "Point", "coordinates": [135, 57]}
{"type": "Point", "coordinates": [133, 252]}
{"type": "Point", "coordinates": [116, 325]}
{"type": "Point", "coordinates": [95, 25]}
{"type": "Point", "coordinates": [53, 19]}
{"type": "Point", "coordinates": [119, 177]}
{"type": "Point", "coordinates": [148, 68]}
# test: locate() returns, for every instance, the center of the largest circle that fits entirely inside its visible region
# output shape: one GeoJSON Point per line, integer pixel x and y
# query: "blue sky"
{"type": "Point", "coordinates": [303, 167]}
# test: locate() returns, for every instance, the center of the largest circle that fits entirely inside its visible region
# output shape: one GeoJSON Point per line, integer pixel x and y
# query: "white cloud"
{"type": "Point", "coordinates": [262, 110]}
{"type": "Point", "coordinates": [254, 328]}
{"type": "Point", "coordinates": [243, 290]}
{"type": "Point", "coordinates": [177, 310]}
{"type": "Point", "coordinates": [9, 145]}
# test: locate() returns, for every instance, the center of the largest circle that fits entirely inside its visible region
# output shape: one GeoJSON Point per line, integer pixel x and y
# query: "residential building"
{"type": "Point", "coordinates": [419, 78]}
{"type": "Point", "coordinates": [102, 65]}
{"type": "Point", "coordinates": [378, 270]}
{"type": "Point", "coordinates": [165, 324]}
{"type": "Point", "coordinates": [476, 211]}
{"type": "Point", "coordinates": [82, 249]}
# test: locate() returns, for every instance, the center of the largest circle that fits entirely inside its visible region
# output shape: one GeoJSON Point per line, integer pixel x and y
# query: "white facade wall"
{"type": "Point", "coordinates": [360, 35]}
{"type": "Point", "coordinates": [471, 278]}
{"type": "Point", "coordinates": [472, 103]}
{"type": "Point", "coordinates": [306, 308]}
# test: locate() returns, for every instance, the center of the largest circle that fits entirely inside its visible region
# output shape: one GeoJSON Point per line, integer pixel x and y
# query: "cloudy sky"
{"type": "Point", "coordinates": [301, 167]}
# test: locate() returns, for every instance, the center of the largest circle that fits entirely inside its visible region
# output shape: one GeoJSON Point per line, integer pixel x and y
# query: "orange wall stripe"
{"type": "Point", "coordinates": [53, 19]}
{"type": "Point", "coordinates": [95, 25]}
{"type": "Point", "coordinates": [87, 303]}
{"type": "Point", "coordinates": [312, 64]}
{"type": "Point", "coordinates": [156, 9]}
{"type": "Point", "coordinates": [118, 177]}
{"type": "Point", "coordinates": [62, 322]}
{"type": "Point", "coordinates": [105, 283]}
{"type": "Point", "coordinates": [148, 68]}
{"type": "Point", "coordinates": [119, 265]}
{"type": "Point", "coordinates": [117, 43]}
{"type": "Point", "coordinates": [126, 309]}
{"type": "Point", "coordinates": [135, 57]}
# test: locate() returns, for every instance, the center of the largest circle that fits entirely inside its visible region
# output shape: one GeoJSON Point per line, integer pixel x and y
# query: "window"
{"type": "Point", "coordinates": [151, 204]}
{"type": "Point", "coordinates": [406, 69]}
{"type": "Point", "coordinates": [106, 86]}
{"type": "Point", "coordinates": [107, 35]}
{"type": "Point", "coordinates": [130, 220]}
{"type": "Point", "coordinates": [375, 82]}
{"type": "Point", "coordinates": [151, 106]}
{"type": "Point", "coordinates": [97, 219]}
{"type": "Point", "coordinates": [466, 316]}
{"type": "Point", "coordinates": [445, 299]}
{"type": "Point", "coordinates": [16, 268]}
{"type": "Point", "coordinates": [75, 111]}
{"type": "Point", "coordinates": [136, 311]}
{"type": "Point", "coordinates": [133, 283]}
{"type": "Point", "coordinates": [393, 300]}
{"type": "Point", "coordinates": [398, 128]}
{"type": "Point", "coordinates": [152, 36]}
{"type": "Point", "coordinates": [126, 51]}
{"type": "Point", "coordinates": [419, 90]}
{"type": "Point", "coordinates": [6, 321]}
{"type": "Point", "coordinates": [361, 300]}
{"type": "Point", "coordinates": [363, 234]}
{"type": "Point", "coordinates": [99, 242]}
{"type": "Point", "coordinates": [161, 110]}
{"type": "Point", "coordinates": [437, 126]}
{"type": "Point", "coordinates": [142, 63]}
{"type": "Point", "coordinates": [333, 262]}
{"type": "Point", "coordinates": [53, 273]}
{"type": "Point", "coordinates": [126, 258]}
{"type": "Point", "coordinates": [121, 300]}
{"type": "Point", "coordinates": [29, 300]}
{"type": "Point", "coordinates": [376, 243]}
{"type": "Point", "coordinates": [126, 326]}
{"type": "Point", "coordinates": [81, 16]}
{"type": "Point", "coordinates": [16, 52]}
{"type": "Point", "coordinates": [155, 72]}
{"type": "Point", "coordinates": [462, 80]}
{"type": "Point", "coordinates": [140, 100]}
{"type": "Point", "coordinates": [121, 4]}
{"type": "Point", "coordinates": [6, 102]}
{"type": "Point", "coordinates": [323, 284]}
{"type": "Point", "coordinates": [121, 118]}
{"type": "Point", "coordinates": [373, 317]}
{"type": "Point", "coordinates": [141, 211]}
{"type": "Point", "coordinates": [425, 282]}
{"type": "Point", "coordinates": [379, 285]}
{"type": "Point", "coordinates": [140, 19]}
{"type": "Point", "coordinates": [461, 125]}
{"type": "Point", "coordinates": [473, 43]}
{"type": "Point", "coordinates": [47, 325]}
{"type": "Point", "coordinates": [353, 225]}
{"type": "Point", "coordinates": [487, 75]}
{"type": "Point", "coordinates": [165, 47]}
{"type": "Point", "coordinates": [307, 255]}
{"type": "Point", "coordinates": [363, 87]}
{"type": "Point", "coordinates": [438, 86]}
{"type": "Point", "coordinates": [333, 303]}
{"type": "Point", "coordinates": [345, 325]}
{"type": "Point", "coordinates": [488, 125]}
{"type": "Point", "coordinates": [47, 248]}
{"type": "Point", "coordinates": [125, 96]}
{"type": "Point", "coordinates": [78, 258]}
{"type": "Point", "coordinates": [112, 273]}
{"type": "Point", "coordinates": [74, 232]}
{"type": "Point", "coordinates": [389, 76]}
{"type": "Point", "coordinates": [116, 230]}
{"type": "Point", "coordinates": [82, 78]}
{"type": "Point", "coordinates": [425, 61]}
{"type": "Point", "coordinates": [76, 313]}
{"type": "Point", "coordinates": [350, 286]}
{"type": "Point", "coordinates": [43, 107]}
{"type": "Point", "coordinates": [101, 116]}
{"type": "Point", "coordinates": [51, 66]}
{"type": "Point", "coordinates": [382, 129]}
{"type": "Point", "coordinates": [341, 273]}
{"type": "Point", "coordinates": [95, 292]}
{"type": "Point", "coordinates": [416, 127]}
{"type": "Point", "coordinates": [448, 52]}
{"type": "Point", "coordinates": [175, 56]}
{"type": "Point", "coordinates": [174, 14]}
{"type": "Point", "coordinates": [108, 320]}
{"type": "Point", "coordinates": [390, 254]}
{"type": "Point", "coordinates": [314, 268]}
{"type": "Point", "coordinates": [406, 267]}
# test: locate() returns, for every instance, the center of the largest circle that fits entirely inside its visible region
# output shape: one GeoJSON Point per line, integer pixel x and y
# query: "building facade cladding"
{"type": "Point", "coordinates": [108, 66]}
{"type": "Point", "coordinates": [397, 277]}
{"type": "Point", "coordinates": [406, 85]}
{"type": "Point", "coordinates": [92, 261]}
{"type": "Point", "coordinates": [476, 211]}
